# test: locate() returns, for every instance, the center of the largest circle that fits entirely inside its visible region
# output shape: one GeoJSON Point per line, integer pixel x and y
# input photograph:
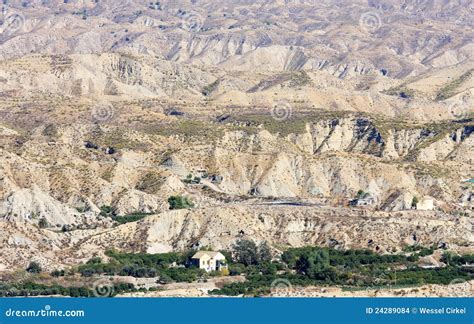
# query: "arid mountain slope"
{"type": "Point", "coordinates": [329, 122]}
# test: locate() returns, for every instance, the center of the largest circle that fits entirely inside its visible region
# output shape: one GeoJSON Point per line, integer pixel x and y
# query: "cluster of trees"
{"type": "Point", "coordinates": [180, 202]}
{"type": "Point", "coordinates": [457, 260]}
{"type": "Point", "coordinates": [248, 253]}
{"type": "Point", "coordinates": [442, 276]}
{"type": "Point", "coordinates": [246, 257]}
{"type": "Point", "coordinates": [108, 211]}
{"type": "Point", "coordinates": [364, 268]}
{"type": "Point", "coordinates": [134, 217]}
{"type": "Point", "coordinates": [345, 259]}
{"type": "Point", "coordinates": [301, 266]}
{"type": "Point", "coordinates": [167, 266]}
{"type": "Point", "coordinates": [36, 289]}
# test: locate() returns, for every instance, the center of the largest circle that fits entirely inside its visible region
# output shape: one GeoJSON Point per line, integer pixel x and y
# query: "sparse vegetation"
{"type": "Point", "coordinates": [180, 202]}
{"type": "Point", "coordinates": [361, 194]}
{"type": "Point", "coordinates": [151, 182]}
{"type": "Point", "coordinates": [400, 91]}
{"type": "Point", "coordinates": [34, 267]}
{"type": "Point", "coordinates": [108, 211]}
{"type": "Point", "coordinates": [299, 79]}
{"type": "Point", "coordinates": [207, 90]}
{"type": "Point", "coordinates": [449, 90]}
{"type": "Point", "coordinates": [43, 223]}
{"type": "Point", "coordinates": [188, 128]}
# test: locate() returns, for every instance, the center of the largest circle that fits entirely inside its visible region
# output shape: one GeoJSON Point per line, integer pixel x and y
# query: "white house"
{"type": "Point", "coordinates": [209, 261]}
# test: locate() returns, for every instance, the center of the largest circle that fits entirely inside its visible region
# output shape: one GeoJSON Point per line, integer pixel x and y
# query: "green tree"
{"type": "Point", "coordinates": [236, 269]}
{"type": "Point", "coordinates": [264, 252]}
{"type": "Point", "coordinates": [447, 257]}
{"type": "Point", "coordinates": [58, 273]}
{"type": "Point", "coordinates": [414, 202]}
{"type": "Point", "coordinates": [108, 211]}
{"type": "Point", "coordinates": [361, 194]}
{"type": "Point", "coordinates": [314, 263]}
{"type": "Point", "coordinates": [43, 223]}
{"type": "Point", "coordinates": [246, 252]}
{"type": "Point", "coordinates": [180, 202]}
{"type": "Point", "coordinates": [34, 267]}
{"type": "Point", "coordinates": [94, 260]}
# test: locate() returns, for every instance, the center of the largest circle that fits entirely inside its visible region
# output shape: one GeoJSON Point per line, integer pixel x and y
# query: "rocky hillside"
{"type": "Point", "coordinates": [334, 123]}
{"type": "Point", "coordinates": [286, 182]}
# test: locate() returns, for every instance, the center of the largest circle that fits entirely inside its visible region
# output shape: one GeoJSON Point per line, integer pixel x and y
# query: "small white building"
{"type": "Point", "coordinates": [209, 260]}
{"type": "Point", "coordinates": [427, 203]}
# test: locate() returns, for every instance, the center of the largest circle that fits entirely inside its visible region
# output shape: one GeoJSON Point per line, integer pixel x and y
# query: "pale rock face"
{"type": "Point", "coordinates": [281, 180]}
{"type": "Point", "coordinates": [4, 131]}
{"type": "Point", "coordinates": [134, 200]}
{"type": "Point", "coordinates": [294, 226]}
{"type": "Point", "coordinates": [390, 152]}
{"type": "Point", "coordinates": [174, 164]}
{"type": "Point", "coordinates": [437, 150]}
{"type": "Point", "coordinates": [303, 141]}
{"type": "Point", "coordinates": [426, 203]}
{"type": "Point", "coordinates": [32, 204]}
{"type": "Point", "coordinates": [402, 201]}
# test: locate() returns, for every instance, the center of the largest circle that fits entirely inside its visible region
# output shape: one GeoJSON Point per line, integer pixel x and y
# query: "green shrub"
{"type": "Point", "coordinates": [180, 202]}
{"type": "Point", "coordinates": [108, 211]}
{"type": "Point", "coordinates": [58, 273]}
{"type": "Point", "coordinates": [414, 202]}
{"type": "Point", "coordinates": [246, 252]}
{"type": "Point", "coordinates": [43, 223]}
{"type": "Point", "coordinates": [34, 267]}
